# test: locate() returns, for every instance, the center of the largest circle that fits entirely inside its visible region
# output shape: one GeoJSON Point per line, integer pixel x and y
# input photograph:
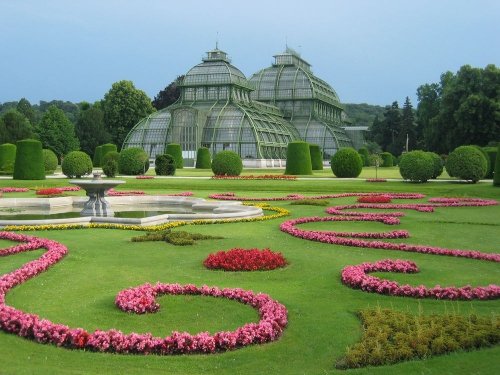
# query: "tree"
{"type": "Point", "coordinates": [56, 132]}
{"type": "Point", "coordinates": [387, 132]}
{"type": "Point", "coordinates": [24, 107]}
{"type": "Point", "coordinates": [90, 128]}
{"type": "Point", "coordinates": [408, 132]}
{"type": "Point", "coordinates": [14, 126]}
{"type": "Point", "coordinates": [123, 106]}
{"type": "Point", "coordinates": [428, 96]}
{"type": "Point", "coordinates": [168, 95]}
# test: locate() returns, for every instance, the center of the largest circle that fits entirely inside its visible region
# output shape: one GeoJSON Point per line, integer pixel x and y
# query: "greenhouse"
{"type": "Point", "coordinates": [308, 102]}
{"type": "Point", "coordinates": [220, 109]}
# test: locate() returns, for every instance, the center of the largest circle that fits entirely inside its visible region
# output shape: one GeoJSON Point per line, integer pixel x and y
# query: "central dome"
{"type": "Point", "coordinates": [216, 69]}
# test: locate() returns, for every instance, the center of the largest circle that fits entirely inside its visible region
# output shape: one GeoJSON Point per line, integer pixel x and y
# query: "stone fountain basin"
{"type": "Point", "coordinates": [202, 208]}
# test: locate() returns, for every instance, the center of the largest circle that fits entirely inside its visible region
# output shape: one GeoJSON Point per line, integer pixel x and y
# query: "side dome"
{"type": "Point", "coordinates": [216, 69]}
{"type": "Point", "coordinates": [289, 78]}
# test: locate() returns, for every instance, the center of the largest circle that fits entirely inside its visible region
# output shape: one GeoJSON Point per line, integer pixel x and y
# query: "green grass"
{"type": "Point", "coordinates": [80, 290]}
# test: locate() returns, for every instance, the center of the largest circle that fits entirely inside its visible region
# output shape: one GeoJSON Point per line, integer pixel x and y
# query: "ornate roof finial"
{"type": "Point", "coordinates": [217, 41]}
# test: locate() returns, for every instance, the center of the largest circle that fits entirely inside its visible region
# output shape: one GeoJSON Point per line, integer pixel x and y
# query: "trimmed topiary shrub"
{"type": "Point", "coordinates": [467, 163]}
{"type": "Point", "coordinates": [175, 150]}
{"type": "Point", "coordinates": [416, 166]}
{"type": "Point", "coordinates": [298, 159]}
{"type": "Point", "coordinates": [316, 158]}
{"type": "Point", "coordinates": [108, 147]}
{"type": "Point", "coordinates": [227, 163]}
{"type": "Point", "coordinates": [387, 159]}
{"type": "Point", "coordinates": [110, 163]}
{"type": "Point", "coordinates": [496, 174]}
{"type": "Point", "coordinates": [76, 164]}
{"type": "Point", "coordinates": [50, 161]}
{"type": "Point", "coordinates": [97, 156]}
{"type": "Point", "coordinates": [7, 158]}
{"type": "Point", "coordinates": [346, 163]}
{"type": "Point", "coordinates": [29, 160]}
{"type": "Point", "coordinates": [492, 155]}
{"type": "Point", "coordinates": [437, 164]}
{"type": "Point", "coordinates": [165, 165]}
{"type": "Point", "coordinates": [365, 156]}
{"type": "Point", "coordinates": [486, 157]}
{"type": "Point", "coordinates": [203, 158]}
{"type": "Point", "coordinates": [133, 161]}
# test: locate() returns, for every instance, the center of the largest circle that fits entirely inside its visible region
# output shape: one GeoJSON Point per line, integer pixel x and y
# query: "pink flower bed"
{"type": "Point", "coordinates": [289, 197]}
{"type": "Point", "coordinates": [143, 177]}
{"type": "Point", "coordinates": [374, 199]}
{"type": "Point", "coordinates": [257, 177]}
{"type": "Point", "coordinates": [114, 193]}
{"type": "Point", "coordinates": [273, 315]}
{"type": "Point", "coordinates": [376, 180]}
{"type": "Point", "coordinates": [183, 194]}
{"type": "Point", "coordinates": [357, 277]}
{"type": "Point", "coordinates": [14, 190]}
{"type": "Point", "coordinates": [245, 260]}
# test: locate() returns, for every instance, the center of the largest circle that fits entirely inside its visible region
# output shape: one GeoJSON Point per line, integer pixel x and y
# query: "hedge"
{"type": "Point", "coordinates": [416, 166]}
{"type": "Point", "coordinates": [7, 158]}
{"type": "Point", "coordinates": [97, 156]}
{"type": "Point", "coordinates": [316, 157]}
{"type": "Point", "coordinates": [108, 147]}
{"type": "Point", "coordinates": [496, 175]}
{"type": "Point", "coordinates": [165, 165]}
{"type": "Point", "coordinates": [29, 163]}
{"type": "Point", "coordinates": [175, 150]}
{"type": "Point", "coordinates": [227, 163]}
{"type": "Point", "coordinates": [110, 163]}
{"type": "Point", "coordinates": [76, 164]}
{"type": "Point", "coordinates": [347, 163]}
{"type": "Point", "coordinates": [298, 159]}
{"type": "Point", "coordinates": [387, 159]}
{"type": "Point", "coordinates": [50, 161]}
{"type": "Point", "coordinates": [365, 156]}
{"type": "Point", "coordinates": [203, 158]}
{"type": "Point", "coordinates": [437, 164]}
{"type": "Point", "coordinates": [467, 163]}
{"type": "Point", "coordinates": [492, 155]}
{"type": "Point", "coordinates": [133, 161]}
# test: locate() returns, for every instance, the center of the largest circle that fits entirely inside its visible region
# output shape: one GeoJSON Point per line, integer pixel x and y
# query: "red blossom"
{"type": "Point", "coordinates": [245, 260]}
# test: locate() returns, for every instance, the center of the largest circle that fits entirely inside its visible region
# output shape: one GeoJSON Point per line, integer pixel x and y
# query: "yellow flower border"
{"type": "Point", "coordinates": [280, 212]}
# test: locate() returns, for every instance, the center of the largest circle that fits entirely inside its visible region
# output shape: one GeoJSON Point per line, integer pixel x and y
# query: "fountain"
{"type": "Point", "coordinates": [96, 189]}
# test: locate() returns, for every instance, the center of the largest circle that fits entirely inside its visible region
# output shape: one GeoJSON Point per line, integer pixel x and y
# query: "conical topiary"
{"type": "Point", "coordinates": [496, 175]}
{"type": "Point", "coordinates": [203, 159]}
{"type": "Point", "coordinates": [316, 157]}
{"type": "Point", "coordinates": [29, 164]}
{"type": "Point", "coordinates": [175, 150]}
{"type": "Point", "coordinates": [7, 158]}
{"type": "Point", "coordinates": [97, 156]}
{"type": "Point", "coordinates": [298, 159]}
{"type": "Point", "coordinates": [108, 147]}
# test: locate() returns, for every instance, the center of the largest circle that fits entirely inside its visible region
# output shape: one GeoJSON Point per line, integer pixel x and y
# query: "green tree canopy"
{"type": "Point", "coordinates": [56, 132]}
{"type": "Point", "coordinates": [168, 95]}
{"type": "Point", "coordinates": [14, 126]}
{"type": "Point", "coordinates": [123, 107]}
{"type": "Point", "coordinates": [90, 128]}
{"type": "Point", "coordinates": [24, 107]}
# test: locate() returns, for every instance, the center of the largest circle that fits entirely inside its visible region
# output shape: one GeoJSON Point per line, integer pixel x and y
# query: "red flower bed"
{"type": "Point", "coordinates": [273, 315]}
{"type": "Point", "coordinates": [375, 199]}
{"type": "Point", "coordinates": [245, 260]}
{"type": "Point", "coordinates": [257, 177]}
{"type": "Point", "coordinates": [114, 193]}
{"type": "Point", "coordinates": [14, 190]}
{"type": "Point", "coordinates": [143, 177]}
{"type": "Point", "coordinates": [49, 191]}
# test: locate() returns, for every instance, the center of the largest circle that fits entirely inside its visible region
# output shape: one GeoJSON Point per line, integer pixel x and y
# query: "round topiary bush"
{"type": "Point", "coordinates": [175, 150]}
{"type": "Point", "coordinates": [387, 159]}
{"type": "Point", "coordinates": [437, 164]}
{"type": "Point", "coordinates": [97, 156]}
{"type": "Point", "coordinates": [316, 158]}
{"type": "Point", "coordinates": [7, 158]}
{"type": "Point", "coordinates": [110, 163]}
{"type": "Point", "coordinates": [133, 161]}
{"type": "Point", "coordinates": [203, 158]}
{"type": "Point", "coordinates": [467, 163]}
{"type": "Point", "coordinates": [165, 165]}
{"type": "Point", "coordinates": [416, 166]}
{"type": "Point", "coordinates": [365, 156]}
{"type": "Point", "coordinates": [346, 163]}
{"type": "Point", "coordinates": [76, 164]}
{"type": "Point", "coordinates": [227, 163]}
{"type": "Point", "coordinates": [492, 155]}
{"type": "Point", "coordinates": [29, 160]}
{"type": "Point", "coordinates": [50, 161]}
{"type": "Point", "coordinates": [298, 159]}
{"type": "Point", "coordinates": [108, 147]}
{"type": "Point", "coordinates": [496, 173]}
{"type": "Point", "coordinates": [486, 157]}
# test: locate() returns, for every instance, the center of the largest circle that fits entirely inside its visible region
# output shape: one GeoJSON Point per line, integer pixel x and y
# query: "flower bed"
{"type": "Point", "coordinates": [290, 197]}
{"type": "Point", "coordinates": [273, 315]}
{"type": "Point", "coordinates": [114, 193]}
{"type": "Point", "coordinates": [14, 190]}
{"type": "Point", "coordinates": [357, 277]}
{"type": "Point", "coordinates": [257, 177]}
{"type": "Point", "coordinates": [374, 199]}
{"type": "Point", "coordinates": [144, 177]}
{"type": "Point", "coordinates": [245, 260]}
{"type": "Point", "coordinates": [49, 191]}
{"type": "Point", "coordinates": [376, 180]}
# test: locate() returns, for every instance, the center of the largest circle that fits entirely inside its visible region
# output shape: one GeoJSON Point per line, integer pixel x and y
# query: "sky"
{"type": "Point", "coordinates": [369, 51]}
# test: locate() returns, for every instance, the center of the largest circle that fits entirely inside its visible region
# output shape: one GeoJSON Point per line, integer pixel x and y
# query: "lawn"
{"type": "Point", "coordinates": [79, 291]}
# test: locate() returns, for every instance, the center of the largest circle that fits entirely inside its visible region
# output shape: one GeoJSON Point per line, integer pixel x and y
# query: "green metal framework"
{"type": "Point", "coordinates": [308, 102]}
{"type": "Point", "coordinates": [215, 110]}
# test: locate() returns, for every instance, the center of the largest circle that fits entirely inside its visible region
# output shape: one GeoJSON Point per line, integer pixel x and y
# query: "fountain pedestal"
{"type": "Point", "coordinates": [96, 189]}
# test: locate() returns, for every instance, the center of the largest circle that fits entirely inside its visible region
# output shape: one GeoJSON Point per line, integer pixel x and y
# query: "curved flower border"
{"type": "Point", "coordinates": [356, 277]}
{"type": "Point", "coordinates": [291, 197]}
{"type": "Point", "coordinates": [273, 315]}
